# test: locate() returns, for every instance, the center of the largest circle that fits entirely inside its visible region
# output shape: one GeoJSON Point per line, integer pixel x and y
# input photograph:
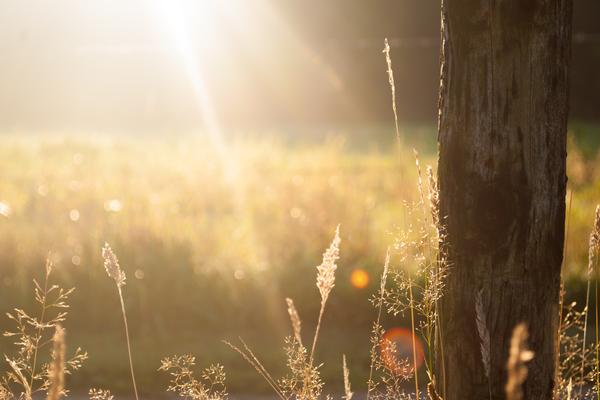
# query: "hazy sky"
{"type": "Point", "coordinates": [103, 64]}
{"type": "Point", "coordinates": [168, 65]}
{"type": "Point", "coordinates": [132, 65]}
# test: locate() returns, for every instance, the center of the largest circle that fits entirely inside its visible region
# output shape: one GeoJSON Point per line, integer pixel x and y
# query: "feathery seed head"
{"type": "Point", "coordinates": [100, 394]}
{"type": "Point", "coordinates": [5, 394]}
{"type": "Point", "coordinates": [111, 264]}
{"type": "Point", "coordinates": [57, 367]}
{"type": "Point", "coordinates": [347, 389]}
{"type": "Point", "coordinates": [594, 245]}
{"type": "Point", "coordinates": [386, 268]}
{"type": "Point", "coordinates": [295, 318]}
{"type": "Point", "coordinates": [484, 333]}
{"type": "Point", "coordinates": [434, 196]}
{"type": "Point", "coordinates": [519, 354]}
{"type": "Point", "coordinates": [49, 265]}
{"type": "Point", "coordinates": [326, 271]}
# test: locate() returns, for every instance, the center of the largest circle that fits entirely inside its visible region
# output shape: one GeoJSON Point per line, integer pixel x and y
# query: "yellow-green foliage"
{"type": "Point", "coordinates": [218, 234]}
{"type": "Point", "coordinates": [254, 205]}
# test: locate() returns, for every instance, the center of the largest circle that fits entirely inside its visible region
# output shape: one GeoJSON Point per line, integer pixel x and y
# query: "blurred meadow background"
{"type": "Point", "coordinates": [216, 146]}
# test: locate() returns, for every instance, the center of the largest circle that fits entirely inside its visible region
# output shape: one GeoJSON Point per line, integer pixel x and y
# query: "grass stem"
{"type": "Point", "coordinates": [414, 339]}
{"type": "Point", "coordinates": [128, 342]}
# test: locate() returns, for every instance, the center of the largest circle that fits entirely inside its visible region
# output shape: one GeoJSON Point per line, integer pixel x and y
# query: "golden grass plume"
{"type": "Point", "coordinates": [518, 357]}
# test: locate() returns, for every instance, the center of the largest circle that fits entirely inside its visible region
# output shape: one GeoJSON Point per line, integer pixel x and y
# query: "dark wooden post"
{"type": "Point", "coordinates": [502, 179]}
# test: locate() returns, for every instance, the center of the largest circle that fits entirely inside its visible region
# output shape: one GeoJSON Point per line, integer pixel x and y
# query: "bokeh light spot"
{"type": "Point", "coordinates": [42, 190]}
{"type": "Point", "coordinates": [113, 205]}
{"type": "Point", "coordinates": [397, 350]}
{"type": "Point", "coordinates": [4, 209]}
{"type": "Point", "coordinates": [139, 274]}
{"type": "Point", "coordinates": [359, 278]}
{"type": "Point", "coordinates": [239, 274]}
{"type": "Point", "coordinates": [74, 215]}
{"type": "Point", "coordinates": [77, 158]}
{"type": "Point", "coordinates": [296, 213]}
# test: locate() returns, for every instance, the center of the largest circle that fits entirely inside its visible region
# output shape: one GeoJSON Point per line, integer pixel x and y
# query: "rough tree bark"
{"type": "Point", "coordinates": [502, 179]}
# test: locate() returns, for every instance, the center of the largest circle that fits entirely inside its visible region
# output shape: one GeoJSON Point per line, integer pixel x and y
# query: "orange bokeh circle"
{"type": "Point", "coordinates": [359, 278]}
{"type": "Point", "coordinates": [397, 350]}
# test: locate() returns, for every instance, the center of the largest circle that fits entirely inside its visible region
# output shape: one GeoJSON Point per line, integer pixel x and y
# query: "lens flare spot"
{"type": "Point", "coordinates": [239, 274]}
{"type": "Point", "coordinates": [397, 351]}
{"type": "Point", "coordinates": [296, 213]}
{"type": "Point", "coordinates": [5, 209]}
{"type": "Point", "coordinates": [113, 205]}
{"type": "Point", "coordinates": [359, 278]}
{"type": "Point", "coordinates": [74, 215]}
{"type": "Point", "coordinates": [42, 190]}
{"type": "Point", "coordinates": [77, 158]}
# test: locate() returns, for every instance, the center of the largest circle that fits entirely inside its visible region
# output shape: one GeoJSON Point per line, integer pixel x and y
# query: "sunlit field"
{"type": "Point", "coordinates": [296, 200]}
{"type": "Point", "coordinates": [213, 242]}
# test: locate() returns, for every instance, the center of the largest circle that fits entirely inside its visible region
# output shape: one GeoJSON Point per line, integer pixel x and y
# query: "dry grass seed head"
{"type": "Point", "coordinates": [5, 394]}
{"type": "Point", "coordinates": [484, 333]}
{"type": "Point", "coordinates": [386, 268]}
{"type": "Point", "coordinates": [577, 363]}
{"type": "Point", "coordinates": [56, 372]}
{"type": "Point", "coordinates": [295, 319]}
{"type": "Point", "coordinates": [100, 394]}
{"type": "Point", "coordinates": [392, 370]}
{"type": "Point", "coordinates": [519, 355]}
{"type": "Point", "coordinates": [347, 389]}
{"type": "Point", "coordinates": [211, 386]}
{"type": "Point", "coordinates": [326, 271]}
{"type": "Point", "coordinates": [594, 245]}
{"type": "Point", "coordinates": [390, 72]}
{"type": "Point", "coordinates": [111, 264]}
{"type": "Point", "coordinates": [434, 196]}
{"type": "Point", "coordinates": [303, 380]}
{"type": "Point", "coordinates": [30, 334]}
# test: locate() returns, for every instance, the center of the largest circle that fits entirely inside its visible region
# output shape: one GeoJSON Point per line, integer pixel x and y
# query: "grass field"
{"type": "Point", "coordinates": [213, 237]}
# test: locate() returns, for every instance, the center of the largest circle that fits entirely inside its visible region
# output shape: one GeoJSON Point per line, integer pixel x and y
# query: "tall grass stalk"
{"type": "Point", "coordinates": [597, 338]}
{"type": "Point", "coordinates": [390, 72]}
{"type": "Point", "coordinates": [561, 300]}
{"type": "Point", "coordinates": [43, 306]}
{"type": "Point", "coordinates": [377, 327]}
{"type": "Point", "coordinates": [326, 282]}
{"type": "Point", "coordinates": [255, 363]}
{"type": "Point", "coordinates": [30, 335]}
{"type": "Point", "coordinates": [304, 381]}
{"type": "Point", "coordinates": [432, 268]}
{"type": "Point", "coordinates": [414, 339]}
{"type": "Point", "coordinates": [596, 277]}
{"type": "Point", "coordinates": [440, 267]}
{"type": "Point", "coordinates": [56, 371]}
{"type": "Point", "coordinates": [114, 271]}
{"type": "Point", "coordinates": [128, 343]}
{"type": "Point", "coordinates": [593, 248]}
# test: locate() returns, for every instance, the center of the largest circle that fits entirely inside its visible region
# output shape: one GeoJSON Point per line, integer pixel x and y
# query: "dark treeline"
{"type": "Point", "coordinates": [350, 35]}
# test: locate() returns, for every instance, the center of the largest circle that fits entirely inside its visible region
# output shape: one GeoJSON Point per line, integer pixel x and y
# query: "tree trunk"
{"type": "Point", "coordinates": [502, 179]}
